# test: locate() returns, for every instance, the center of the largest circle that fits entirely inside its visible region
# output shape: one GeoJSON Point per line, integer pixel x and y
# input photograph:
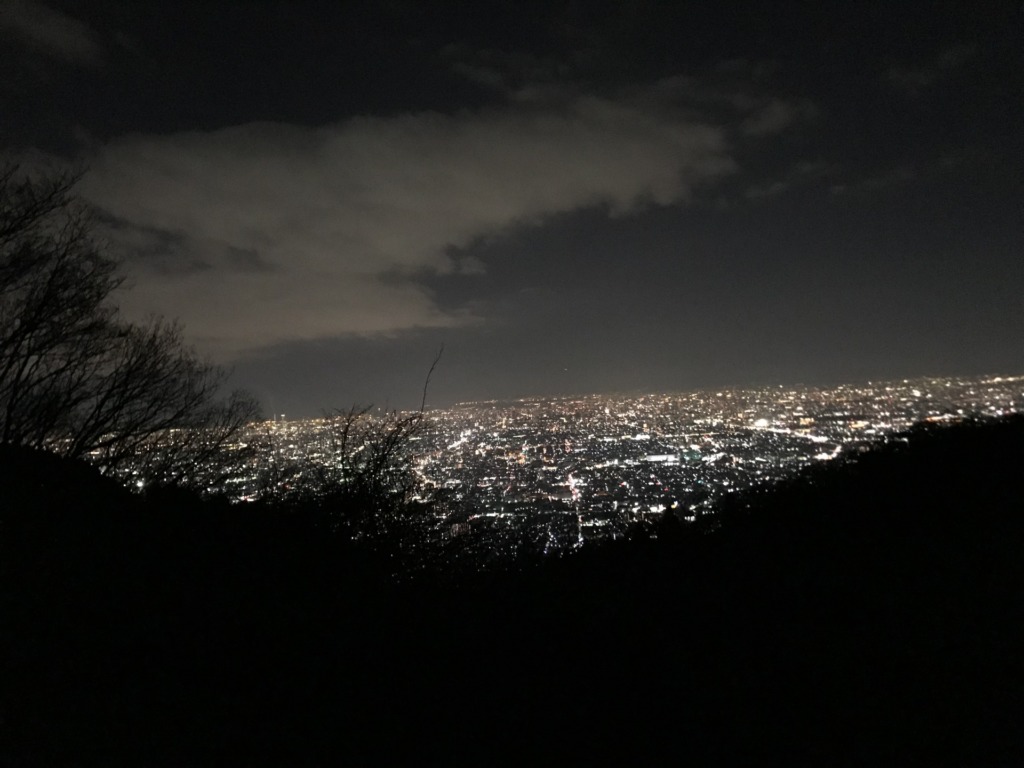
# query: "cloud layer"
{"type": "Point", "coordinates": [264, 233]}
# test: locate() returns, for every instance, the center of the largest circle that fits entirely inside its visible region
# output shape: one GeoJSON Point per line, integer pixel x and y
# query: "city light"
{"type": "Point", "coordinates": [554, 474]}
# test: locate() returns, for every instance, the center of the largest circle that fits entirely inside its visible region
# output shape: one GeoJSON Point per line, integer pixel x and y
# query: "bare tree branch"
{"type": "Point", "coordinates": [430, 373]}
{"type": "Point", "coordinates": [77, 379]}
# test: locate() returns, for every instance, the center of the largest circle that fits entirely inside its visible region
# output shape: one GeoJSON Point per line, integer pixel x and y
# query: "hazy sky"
{"type": "Point", "coordinates": [571, 197]}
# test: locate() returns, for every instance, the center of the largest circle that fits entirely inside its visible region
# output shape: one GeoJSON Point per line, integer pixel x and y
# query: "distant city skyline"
{"type": "Point", "coordinates": [571, 198]}
{"type": "Point", "coordinates": [554, 474]}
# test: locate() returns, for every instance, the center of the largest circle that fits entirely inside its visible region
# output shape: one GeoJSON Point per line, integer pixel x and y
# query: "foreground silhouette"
{"type": "Point", "coordinates": [867, 613]}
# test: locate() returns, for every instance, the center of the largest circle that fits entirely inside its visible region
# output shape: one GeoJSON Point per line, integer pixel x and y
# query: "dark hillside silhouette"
{"type": "Point", "coordinates": [868, 613]}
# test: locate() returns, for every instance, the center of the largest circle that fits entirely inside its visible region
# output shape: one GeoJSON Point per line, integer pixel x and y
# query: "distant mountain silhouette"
{"type": "Point", "coordinates": [870, 612]}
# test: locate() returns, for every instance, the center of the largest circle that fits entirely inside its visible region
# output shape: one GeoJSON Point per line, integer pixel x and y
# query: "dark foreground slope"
{"type": "Point", "coordinates": [870, 613]}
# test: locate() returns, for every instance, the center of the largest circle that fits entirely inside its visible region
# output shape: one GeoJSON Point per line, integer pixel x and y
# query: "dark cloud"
{"type": "Point", "coordinates": [50, 31]}
{"type": "Point", "coordinates": [777, 115]}
{"type": "Point", "coordinates": [505, 71]}
{"type": "Point", "coordinates": [246, 260]}
{"type": "Point", "coordinates": [914, 80]}
{"type": "Point", "coordinates": [802, 174]}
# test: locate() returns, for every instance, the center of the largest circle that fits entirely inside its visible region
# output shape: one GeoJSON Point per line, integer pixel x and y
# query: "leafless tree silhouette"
{"type": "Point", "coordinates": [368, 475]}
{"type": "Point", "coordinates": [79, 380]}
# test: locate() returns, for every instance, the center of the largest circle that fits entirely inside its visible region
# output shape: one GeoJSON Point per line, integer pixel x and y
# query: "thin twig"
{"type": "Point", "coordinates": [426, 384]}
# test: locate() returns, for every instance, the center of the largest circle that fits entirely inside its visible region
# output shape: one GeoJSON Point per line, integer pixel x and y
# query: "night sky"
{"type": "Point", "coordinates": [571, 197]}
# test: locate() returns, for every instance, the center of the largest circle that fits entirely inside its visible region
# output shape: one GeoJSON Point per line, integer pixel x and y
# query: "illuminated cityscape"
{"type": "Point", "coordinates": [404, 383]}
{"type": "Point", "coordinates": [508, 479]}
